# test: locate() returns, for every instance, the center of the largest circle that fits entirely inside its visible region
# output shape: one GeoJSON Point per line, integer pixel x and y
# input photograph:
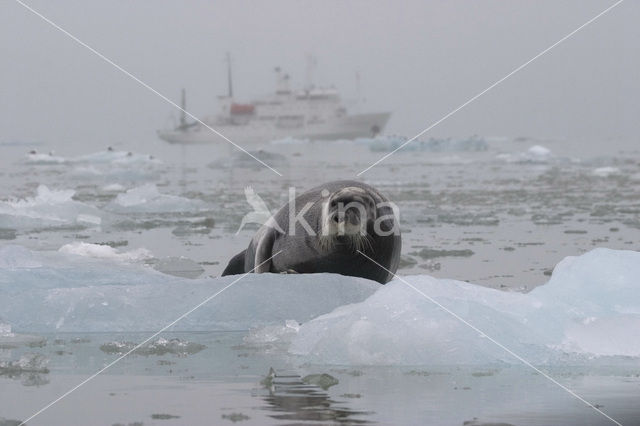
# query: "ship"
{"type": "Point", "coordinates": [311, 113]}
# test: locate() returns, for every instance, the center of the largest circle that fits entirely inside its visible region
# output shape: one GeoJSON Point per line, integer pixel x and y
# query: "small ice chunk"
{"type": "Point", "coordinates": [324, 380]}
{"type": "Point", "coordinates": [147, 199]}
{"type": "Point", "coordinates": [280, 334]}
{"type": "Point", "coordinates": [539, 151]}
{"type": "Point", "coordinates": [100, 251]}
{"type": "Point", "coordinates": [179, 267]}
{"type": "Point", "coordinates": [606, 171]}
{"type": "Point", "coordinates": [159, 347]}
{"type": "Point", "coordinates": [5, 330]}
{"type": "Point", "coordinates": [113, 187]}
{"type": "Point", "coordinates": [87, 218]}
{"type": "Point", "coordinates": [49, 208]}
{"type": "Point", "coordinates": [28, 363]}
{"type": "Point", "coordinates": [44, 159]}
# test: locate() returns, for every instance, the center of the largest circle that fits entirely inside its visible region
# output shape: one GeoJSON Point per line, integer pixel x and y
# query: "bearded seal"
{"type": "Point", "coordinates": [327, 229]}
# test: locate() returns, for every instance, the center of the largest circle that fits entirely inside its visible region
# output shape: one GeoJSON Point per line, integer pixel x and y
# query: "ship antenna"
{"type": "Point", "coordinates": [230, 83]}
{"type": "Point", "coordinates": [183, 108]}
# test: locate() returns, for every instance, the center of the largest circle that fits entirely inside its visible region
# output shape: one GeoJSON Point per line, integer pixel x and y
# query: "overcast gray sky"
{"type": "Point", "coordinates": [418, 59]}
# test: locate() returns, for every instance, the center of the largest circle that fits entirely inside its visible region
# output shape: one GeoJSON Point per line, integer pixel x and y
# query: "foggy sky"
{"type": "Point", "coordinates": [417, 59]}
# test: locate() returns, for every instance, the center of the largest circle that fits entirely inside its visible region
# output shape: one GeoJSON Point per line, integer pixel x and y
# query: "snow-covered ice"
{"type": "Point", "coordinates": [104, 252]}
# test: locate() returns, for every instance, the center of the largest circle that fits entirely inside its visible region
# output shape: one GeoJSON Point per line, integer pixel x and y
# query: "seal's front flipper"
{"type": "Point", "coordinates": [289, 271]}
{"type": "Point", "coordinates": [236, 265]}
{"type": "Point", "coordinates": [264, 249]}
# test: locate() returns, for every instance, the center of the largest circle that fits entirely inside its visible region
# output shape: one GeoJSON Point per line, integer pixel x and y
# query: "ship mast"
{"type": "Point", "coordinates": [229, 82]}
{"type": "Point", "coordinates": [183, 109]}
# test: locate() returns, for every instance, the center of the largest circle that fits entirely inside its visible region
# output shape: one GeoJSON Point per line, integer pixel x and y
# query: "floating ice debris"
{"type": "Point", "coordinates": [536, 154]}
{"type": "Point", "coordinates": [235, 417]}
{"type": "Point", "coordinates": [159, 347]}
{"type": "Point", "coordinates": [102, 157]}
{"type": "Point", "coordinates": [49, 208]}
{"type": "Point", "coordinates": [324, 381]}
{"type": "Point", "coordinates": [590, 307]}
{"type": "Point", "coordinates": [242, 160]}
{"type": "Point", "coordinates": [34, 158]}
{"type": "Point", "coordinates": [104, 252]}
{"type": "Point", "coordinates": [539, 150]}
{"type": "Point", "coordinates": [28, 363]}
{"type": "Point", "coordinates": [606, 171]}
{"type": "Point", "coordinates": [427, 253]}
{"type": "Point", "coordinates": [268, 335]}
{"type": "Point", "coordinates": [289, 141]}
{"type": "Point", "coordinates": [179, 266]}
{"type": "Point", "coordinates": [5, 330]}
{"type": "Point", "coordinates": [113, 187]}
{"type": "Point", "coordinates": [476, 422]}
{"type": "Point", "coordinates": [391, 143]}
{"type": "Point", "coordinates": [147, 199]}
{"type": "Point", "coordinates": [9, 339]}
{"type": "Point", "coordinates": [117, 157]}
{"type": "Point", "coordinates": [164, 416]}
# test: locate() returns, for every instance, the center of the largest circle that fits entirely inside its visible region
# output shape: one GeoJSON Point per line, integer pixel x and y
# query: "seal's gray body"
{"type": "Point", "coordinates": [304, 253]}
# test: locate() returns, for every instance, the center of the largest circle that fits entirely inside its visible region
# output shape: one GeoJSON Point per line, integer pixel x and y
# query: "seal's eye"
{"type": "Point", "coordinates": [333, 204]}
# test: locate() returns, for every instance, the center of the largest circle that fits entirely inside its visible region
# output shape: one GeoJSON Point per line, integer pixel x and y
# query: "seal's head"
{"type": "Point", "coordinates": [345, 217]}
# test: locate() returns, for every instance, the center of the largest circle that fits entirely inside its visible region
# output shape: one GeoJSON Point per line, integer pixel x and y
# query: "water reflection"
{"type": "Point", "coordinates": [294, 400]}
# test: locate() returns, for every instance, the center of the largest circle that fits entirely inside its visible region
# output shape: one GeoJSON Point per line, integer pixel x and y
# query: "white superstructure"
{"type": "Point", "coordinates": [312, 113]}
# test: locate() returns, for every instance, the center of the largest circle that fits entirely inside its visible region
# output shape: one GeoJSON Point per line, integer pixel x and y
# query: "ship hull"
{"type": "Point", "coordinates": [347, 127]}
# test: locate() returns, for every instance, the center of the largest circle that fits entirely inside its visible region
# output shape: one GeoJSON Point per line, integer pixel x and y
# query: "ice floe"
{"type": "Point", "coordinates": [104, 251]}
{"type": "Point", "coordinates": [392, 143]}
{"type": "Point", "coordinates": [148, 199]}
{"type": "Point", "coordinates": [588, 311]}
{"type": "Point", "coordinates": [109, 156]}
{"type": "Point", "coordinates": [606, 171]}
{"type": "Point", "coordinates": [49, 208]}
{"type": "Point", "coordinates": [74, 293]}
{"type": "Point", "coordinates": [590, 307]}
{"type": "Point", "coordinates": [111, 165]}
